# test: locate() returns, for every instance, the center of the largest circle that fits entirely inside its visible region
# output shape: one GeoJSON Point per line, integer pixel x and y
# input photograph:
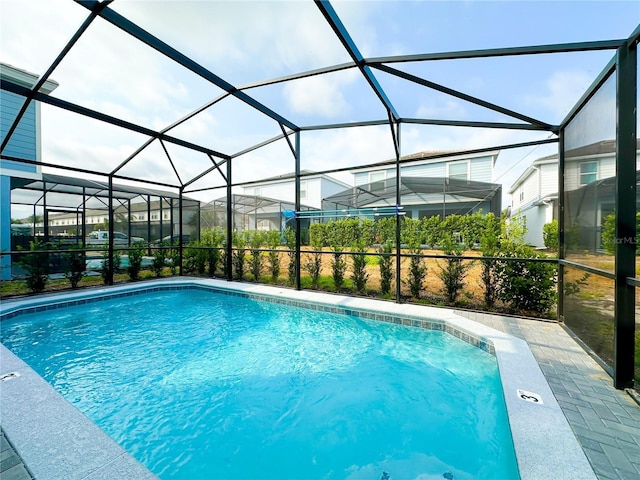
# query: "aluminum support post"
{"type": "Point", "coordinates": [625, 265]}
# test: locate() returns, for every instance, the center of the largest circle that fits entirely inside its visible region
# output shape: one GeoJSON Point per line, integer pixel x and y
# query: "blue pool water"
{"type": "Point", "coordinates": [200, 385]}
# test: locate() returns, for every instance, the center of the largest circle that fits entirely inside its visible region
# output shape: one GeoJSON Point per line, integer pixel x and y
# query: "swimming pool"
{"type": "Point", "coordinates": [238, 375]}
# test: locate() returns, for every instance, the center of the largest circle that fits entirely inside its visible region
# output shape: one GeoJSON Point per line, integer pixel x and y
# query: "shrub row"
{"type": "Point", "coordinates": [518, 285]}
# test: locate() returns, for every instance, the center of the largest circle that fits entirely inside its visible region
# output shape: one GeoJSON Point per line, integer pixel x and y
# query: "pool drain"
{"type": "Point", "coordinates": [448, 476]}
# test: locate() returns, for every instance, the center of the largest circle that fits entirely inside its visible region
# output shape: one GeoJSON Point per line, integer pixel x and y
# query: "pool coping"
{"type": "Point", "coordinates": [544, 442]}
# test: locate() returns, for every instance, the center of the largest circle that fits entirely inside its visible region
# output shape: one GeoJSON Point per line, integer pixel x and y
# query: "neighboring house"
{"type": "Point", "coordinates": [24, 144]}
{"type": "Point", "coordinates": [589, 198]}
{"type": "Point", "coordinates": [150, 220]}
{"type": "Point", "coordinates": [430, 185]}
{"type": "Point", "coordinates": [534, 197]}
{"type": "Point", "coordinates": [313, 188]}
{"type": "Point", "coordinates": [590, 193]}
{"type": "Point", "coordinates": [250, 212]}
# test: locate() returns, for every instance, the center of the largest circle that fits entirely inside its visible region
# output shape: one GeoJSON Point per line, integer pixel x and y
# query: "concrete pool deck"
{"type": "Point", "coordinates": [583, 428]}
{"type": "Point", "coordinates": [605, 421]}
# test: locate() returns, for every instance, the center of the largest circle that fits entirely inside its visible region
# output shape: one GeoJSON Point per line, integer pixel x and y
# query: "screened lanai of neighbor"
{"type": "Point", "coordinates": [167, 122]}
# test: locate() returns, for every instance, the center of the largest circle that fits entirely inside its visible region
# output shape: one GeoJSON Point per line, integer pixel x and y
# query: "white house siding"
{"type": "Point", "coordinates": [571, 174]}
{"type": "Point", "coordinates": [360, 178]}
{"type": "Point", "coordinates": [526, 192]}
{"type": "Point", "coordinates": [481, 169]}
{"type": "Point", "coordinates": [538, 182]}
{"type": "Point", "coordinates": [606, 169]}
{"type": "Point", "coordinates": [548, 179]}
{"type": "Point", "coordinates": [329, 188]}
{"type": "Point", "coordinates": [535, 216]}
{"type": "Point", "coordinates": [313, 196]}
{"type": "Point", "coordinates": [438, 169]}
{"type": "Point", "coordinates": [317, 188]}
{"type": "Point", "coordinates": [541, 181]}
{"type": "Point", "coordinates": [531, 188]}
{"type": "Point", "coordinates": [284, 190]}
{"type": "Point", "coordinates": [516, 203]}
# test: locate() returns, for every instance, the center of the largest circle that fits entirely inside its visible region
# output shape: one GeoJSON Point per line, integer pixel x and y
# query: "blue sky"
{"type": "Point", "coordinates": [244, 42]}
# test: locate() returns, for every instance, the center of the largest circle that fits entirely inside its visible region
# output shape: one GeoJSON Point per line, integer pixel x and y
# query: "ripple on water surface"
{"type": "Point", "coordinates": [203, 385]}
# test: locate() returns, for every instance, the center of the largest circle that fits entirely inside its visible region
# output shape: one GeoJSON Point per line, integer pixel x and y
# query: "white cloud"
{"type": "Point", "coordinates": [100, 158]}
{"type": "Point", "coordinates": [33, 33]}
{"type": "Point", "coordinates": [439, 138]}
{"type": "Point", "coordinates": [241, 39]}
{"type": "Point", "coordinates": [242, 42]}
{"type": "Point", "coordinates": [197, 128]}
{"type": "Point", "coordinates": [358, 18]}
{"type": "Point", "coordinates": [561, 91]}
{"type": "Point", "coordinates": [107, 68]}
{"type": "Point", "coordinates": [316, 96]}
{"type": "Point", "coordinates": [320, 151]}
{"type": "Point", "coordinates": [109, 71]}
{"type": "Point", "coordinates": [347, 147]}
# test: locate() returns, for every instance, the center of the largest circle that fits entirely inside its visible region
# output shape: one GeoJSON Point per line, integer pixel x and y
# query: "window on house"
{"type": "Point", "coordinates": [588, 173]}
{"type": "Point", "coordinates": [376, 180]}
{"type": "Point", "coordinates": [521, 195]}
{"type": "Point", "coordinates": [459, 170]}
{"type": "Point", "coordinates": [154, 216]}
{"type": "Point", "coordinates": [303, 190]}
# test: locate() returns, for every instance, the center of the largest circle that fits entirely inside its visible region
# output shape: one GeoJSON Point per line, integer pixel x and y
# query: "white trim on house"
{"type": "Point", "coordinates": [534, 197]}
{"type": "Point", "coordinates": [582, 174]}
{"type": "Point", "coordinates": [291, 177]}
{"type": "Point", "coordinates": [534, 194]}
{"type": "Point", "coordinates": [377, 177]}
{"type": "Point", "coordinates": [314, 187]}
{"type": "Point", "coordinates": [466, 163]}
{"type": "Point", "coordinates": [25, 79]}
{"type": "Point", "coordinates": [553, 159]}
{"type": "Point", "coordinates": [424, 158]}
{"type": "Point", "coordinates": [303, 189]}
{"type": "Point", "coordinates": [28, 80]}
